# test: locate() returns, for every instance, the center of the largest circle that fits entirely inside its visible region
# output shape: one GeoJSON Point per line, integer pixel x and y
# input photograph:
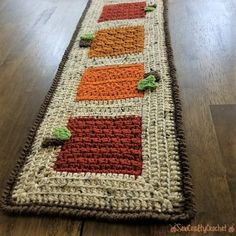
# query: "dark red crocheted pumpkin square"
{"type": "Point", "coordinates": [123, 11]}
{"type": "Point", "coordinates": [102, 145]}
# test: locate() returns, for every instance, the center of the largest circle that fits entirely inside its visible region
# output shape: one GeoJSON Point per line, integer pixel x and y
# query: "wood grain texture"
{"type": "Point", "coordinates": [33, 38]}
{"type": "Point", "coordinates": [224, 117]}
{"type": "Point", "coordinates": [34, 35]}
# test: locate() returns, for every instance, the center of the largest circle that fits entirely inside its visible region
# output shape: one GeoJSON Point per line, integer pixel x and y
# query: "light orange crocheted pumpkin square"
{"type": "Point", "coordinates": [117, 41]}
{"type": "Point", "coordinates": [110, 82]}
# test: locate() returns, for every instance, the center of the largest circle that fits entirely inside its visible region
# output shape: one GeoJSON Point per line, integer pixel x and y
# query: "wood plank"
{"type": "Point", "coordinates": [93, 228]}
{"type": "Point", "coordinates": [39, 226]}
{"type": "Point", "coordinates": [34, 36]}
{"type": "Point", "coordinates": [224, 117]}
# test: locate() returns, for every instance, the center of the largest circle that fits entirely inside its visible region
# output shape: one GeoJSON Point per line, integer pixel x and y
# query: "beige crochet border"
{"type": "Point", "coordinates": [188, 211]}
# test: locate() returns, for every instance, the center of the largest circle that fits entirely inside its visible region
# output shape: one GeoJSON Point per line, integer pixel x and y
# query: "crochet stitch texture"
{"type": "Point", "coordinates": [110, 82]}
{"type": "Point", "coordinates": [117, 41]}
{"type": "Point", "coordinates": [101, 145]}
{"type": "Point", "coordinates": [125, 159]}
{"type": "Point", "coordinates": [122, 11]}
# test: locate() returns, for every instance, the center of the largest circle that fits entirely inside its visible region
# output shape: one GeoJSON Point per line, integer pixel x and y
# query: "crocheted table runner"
{"type": "Point", "coordinates": [108, 141]}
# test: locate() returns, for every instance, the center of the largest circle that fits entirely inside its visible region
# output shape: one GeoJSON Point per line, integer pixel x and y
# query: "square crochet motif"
{"type": "Point", "coordinates": [102, 145]}
{"type": "Point", "coordinates": [117, 41]}
{"type": "Point", "coordinates": [110, 82]}
{"type": "Point", "coordinates": [123, 11]}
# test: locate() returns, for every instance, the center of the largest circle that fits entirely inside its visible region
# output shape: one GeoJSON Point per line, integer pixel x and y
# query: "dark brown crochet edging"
{"type": "Point", "coordinates": [187, 186]}
{"type": "Point", "coordinates": [9, 206]}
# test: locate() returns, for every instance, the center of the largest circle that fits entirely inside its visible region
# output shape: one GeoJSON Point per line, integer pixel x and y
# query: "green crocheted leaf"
{"type": "Point", "coordinates": [87, 36]}
{"type": "Point", "coordinates": [149, 9]}
{"type": "Point", "coordinates": [62, 133]}
{"type": "Point", "coordinates": [147, 83]}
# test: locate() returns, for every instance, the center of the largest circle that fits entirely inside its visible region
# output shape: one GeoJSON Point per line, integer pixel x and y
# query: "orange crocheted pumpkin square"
{"type": "Point", "coordinates": [110, 82]}
{"type": "Point", "coordinates": [102, 145]}
{"type": "Point", "coordinates": [117, 41]}
{"type": "Point", "coordinates": [122, 11]}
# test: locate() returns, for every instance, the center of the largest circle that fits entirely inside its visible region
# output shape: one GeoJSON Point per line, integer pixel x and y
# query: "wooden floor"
{"type": "Point", "coordinates": [33, 37]}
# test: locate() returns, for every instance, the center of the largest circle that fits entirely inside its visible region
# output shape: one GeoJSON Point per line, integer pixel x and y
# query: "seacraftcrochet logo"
{"type": "Point", "coordinates": [200, 228]}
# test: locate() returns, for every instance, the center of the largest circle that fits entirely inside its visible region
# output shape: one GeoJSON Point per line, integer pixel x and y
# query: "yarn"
{"type": "Point", "coordinates": [155, 74]}
{"type": "Point", "coordinates": [122, 11]}
{"type": "Point", "coordinates": [86, 40]}
{"type": "Point", "coordinates": [110, 82]}
{"type": "Point", "coordinates": [117, 41]}
{"type": "Point", "coordinates": [102, 145]}
{"type": "Point", "coordinates": [85, 43]}
{"type": "Point", "coordinates": [147, 83]}
{"type": "Point", "coordinates": [50, 142]}
{"type": "Point", "coordinates": [122, 158]}
{"type": "Point", "coordinates": [88, 36]}
{"type": "Point", "coordinates": [62, 133]}
{"type": "Point", "coordinates": [154, 5]}
{"type": "Point", "coordinates": [149, 9]}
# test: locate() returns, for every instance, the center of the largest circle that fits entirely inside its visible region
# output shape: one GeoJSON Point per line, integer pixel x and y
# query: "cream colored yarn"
{"type": "Point", "coordinates": [158, 189]}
